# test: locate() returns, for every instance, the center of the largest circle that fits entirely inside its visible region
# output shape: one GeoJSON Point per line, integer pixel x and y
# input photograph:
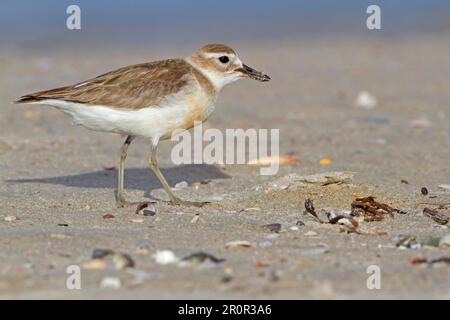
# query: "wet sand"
{"type": "Point", "coordinates": [52, 177]}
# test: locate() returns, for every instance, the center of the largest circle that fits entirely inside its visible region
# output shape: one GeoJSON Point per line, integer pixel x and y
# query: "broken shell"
{"type": "Point", "coordinates": [238, 244]}
{"type": "Point", "coordinates": [122, 261]}
{"type": "Point", "coordinates": [95, 264]}
{"type": "Point", "coordinates": [197, 219]}
{"type": "Point", "coordinates": [146, 209]}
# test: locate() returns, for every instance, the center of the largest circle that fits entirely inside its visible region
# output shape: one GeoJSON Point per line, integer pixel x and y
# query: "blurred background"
{"type": "Point", "coordinates": [38, 24]}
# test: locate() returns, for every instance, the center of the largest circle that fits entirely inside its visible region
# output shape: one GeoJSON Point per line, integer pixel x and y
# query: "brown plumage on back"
{"type": "Point", "coordinates": [131, 87]}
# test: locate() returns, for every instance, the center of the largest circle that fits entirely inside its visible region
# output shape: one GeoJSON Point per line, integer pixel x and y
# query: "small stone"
{"type": "Point", "coordinates": [10, 218]}
{"type": "Point", "coordinates": [148, 213]}
{"type": "Point", "coordinates": [101, 253]}
{"type": "Point", "coordinates": [165, 257]}
{"type": "Point", "coordinates": [424, 191]}
{"type": "Point", "coordinates": [366, 100]}
{"type": "Point", "coordinates": [445, 241]}
{"type": "Point", "coordinates": [110, 283]}
{"type": "Point", "coordinates": [273, 227]}
{"type": "Point", "coordinates": [181, 185]}
{"type": "Point", "coordinates": [144, 247]}
{"type": "Point", "coordinates": [311, 234]}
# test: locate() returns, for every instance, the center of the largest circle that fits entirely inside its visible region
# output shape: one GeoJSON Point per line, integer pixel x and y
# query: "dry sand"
{"type": "Point", "coordinates": [52, 173]}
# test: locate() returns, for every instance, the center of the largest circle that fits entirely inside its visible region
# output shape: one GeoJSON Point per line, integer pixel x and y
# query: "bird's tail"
{"type": "Point", "coordinates": [27, 99]}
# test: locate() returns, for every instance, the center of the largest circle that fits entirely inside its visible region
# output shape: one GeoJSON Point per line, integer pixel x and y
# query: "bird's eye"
{"type": "Point", "coordinates": [224, 59]}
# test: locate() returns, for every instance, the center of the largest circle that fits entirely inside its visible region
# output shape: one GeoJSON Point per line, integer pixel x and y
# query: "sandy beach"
{"type": "Point", "coordinates": [58, 180]}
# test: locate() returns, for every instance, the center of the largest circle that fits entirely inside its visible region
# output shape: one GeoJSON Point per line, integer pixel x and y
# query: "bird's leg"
{"type": "Point", "coordinates": [120, 185]}
{"type": "Point", "coordinates": [174, 199]}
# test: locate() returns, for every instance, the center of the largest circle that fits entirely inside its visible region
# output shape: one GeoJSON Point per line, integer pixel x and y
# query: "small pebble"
{"type": "Point", "coordinates": [101, 253]}
{"type": "Point", "coordinates": [181, 185]}
{"type": "Point", "coordinates": [366, 100]}
{"type": "Point", "coordinates": [273, 227]}
{"type": "Point", "coordinates": [165, 257]}
{"type": "Point", "coordinates": [110, 283]}
{"type": "Point", "coordinates": [294, 228]}
{"type": "Point", "coordinates": [144, 247]}
{"type": "Point", "coordinates": [424, 191]}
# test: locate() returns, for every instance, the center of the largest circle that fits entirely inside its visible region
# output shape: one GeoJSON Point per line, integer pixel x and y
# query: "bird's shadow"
{"type": "Point", "coordinates": [135, 178]}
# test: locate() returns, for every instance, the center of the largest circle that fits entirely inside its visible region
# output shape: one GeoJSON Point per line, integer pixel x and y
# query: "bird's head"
{"type": "Point", "coordinates": [222, 66]}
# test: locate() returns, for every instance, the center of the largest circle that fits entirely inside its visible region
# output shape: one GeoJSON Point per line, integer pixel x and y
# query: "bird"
{"type": "Point", "coordinates": [150, 100]}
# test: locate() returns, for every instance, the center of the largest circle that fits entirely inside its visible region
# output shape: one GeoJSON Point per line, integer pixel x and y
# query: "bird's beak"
{"type": "Point", "coordinates": [252, 73]}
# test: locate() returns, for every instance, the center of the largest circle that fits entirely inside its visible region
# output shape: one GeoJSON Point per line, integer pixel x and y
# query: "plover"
{"type": "Point", "coordinates": [150, 100]}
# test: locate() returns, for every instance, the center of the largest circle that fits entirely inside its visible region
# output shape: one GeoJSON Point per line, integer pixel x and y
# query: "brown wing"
{"type": "Point", "coordinates": [131, 87]}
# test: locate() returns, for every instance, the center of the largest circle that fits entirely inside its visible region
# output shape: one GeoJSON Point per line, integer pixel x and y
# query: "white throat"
{"type": "Point", "coordinates": [219, 80]}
